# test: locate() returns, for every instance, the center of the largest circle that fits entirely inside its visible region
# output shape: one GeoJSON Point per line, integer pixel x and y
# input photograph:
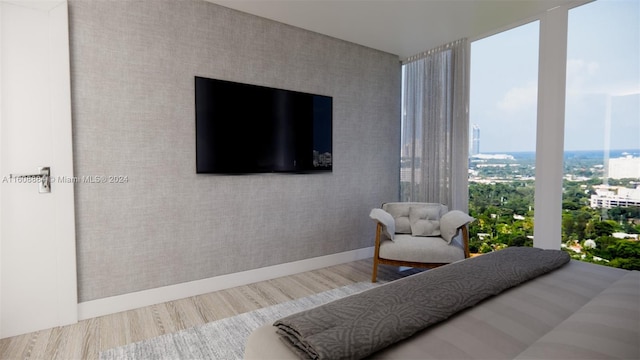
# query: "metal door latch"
{"type": "Point", "coordinates": [43, 179]}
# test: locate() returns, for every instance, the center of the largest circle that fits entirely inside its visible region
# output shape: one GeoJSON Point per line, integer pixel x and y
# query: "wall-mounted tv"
{"type": "Point", "coordinates": [243, 129]}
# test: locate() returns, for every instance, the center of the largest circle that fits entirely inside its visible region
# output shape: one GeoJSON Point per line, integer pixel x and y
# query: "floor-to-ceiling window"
{"type": "Point", "coordinates": [502, 116]}
{"type": "Point", "coordinates": [547, 120]}
{"type": "Point", "coordinates": [601, 190]}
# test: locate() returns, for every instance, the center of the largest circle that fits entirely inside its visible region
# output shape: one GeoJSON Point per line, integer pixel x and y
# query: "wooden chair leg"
{"type": "Point", "coordinates": [376, 253]}
{"type": "Point", "coordinates": [374, 276]}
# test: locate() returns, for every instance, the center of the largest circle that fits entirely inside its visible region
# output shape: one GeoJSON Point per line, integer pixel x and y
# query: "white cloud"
{"type": "Point", "coordinates": [580, 66]}
{"type": "Point", "coordinates": [579, 74]}
{"type": "Point", "coordinates": [582, 78]}
{"type": "Point", "coordinates": [519, 98]}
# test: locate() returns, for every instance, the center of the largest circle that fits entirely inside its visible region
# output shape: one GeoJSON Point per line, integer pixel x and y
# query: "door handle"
{"type": "Point", "coordinates": [44, 182]}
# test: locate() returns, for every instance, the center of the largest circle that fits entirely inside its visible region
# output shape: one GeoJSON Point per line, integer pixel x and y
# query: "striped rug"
{"type": "Point", "coordinates": [223, 339]}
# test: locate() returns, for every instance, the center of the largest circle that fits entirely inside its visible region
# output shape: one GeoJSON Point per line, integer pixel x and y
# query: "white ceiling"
{"type": "Point", "coordinates": [401, 27]}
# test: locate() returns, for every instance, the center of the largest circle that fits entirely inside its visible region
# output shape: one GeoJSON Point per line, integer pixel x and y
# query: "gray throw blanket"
{"type": "Point", "coordinates": [361, 324]}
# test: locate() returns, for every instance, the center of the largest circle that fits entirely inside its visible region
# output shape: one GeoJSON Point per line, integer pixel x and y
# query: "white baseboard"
{"type": "Point", "coordinates": [114, 304]}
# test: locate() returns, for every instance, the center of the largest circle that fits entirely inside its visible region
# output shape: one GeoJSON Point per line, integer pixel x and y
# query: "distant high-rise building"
{"type": "Point", "coordinates": [615, 196]}
{"type": "Point", "coordinates": [475, 140]}
{"type": "Point", "coordinates": [624, 167]}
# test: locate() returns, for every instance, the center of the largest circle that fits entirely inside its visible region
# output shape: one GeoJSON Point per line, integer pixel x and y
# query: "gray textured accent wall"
{"type": "Point", "coordinates": [133, 65]}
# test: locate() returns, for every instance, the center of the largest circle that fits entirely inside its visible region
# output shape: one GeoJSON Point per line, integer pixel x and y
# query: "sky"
{"type": "Point", "coordinates": [603, 68]}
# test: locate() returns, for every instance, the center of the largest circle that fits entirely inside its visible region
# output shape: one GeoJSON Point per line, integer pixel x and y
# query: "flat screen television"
{"type": "Point", "coordinates": [243, 129]}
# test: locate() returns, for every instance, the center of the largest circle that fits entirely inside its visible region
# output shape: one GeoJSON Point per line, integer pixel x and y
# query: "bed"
{"type": "Point", "coordinates": [570, 309]}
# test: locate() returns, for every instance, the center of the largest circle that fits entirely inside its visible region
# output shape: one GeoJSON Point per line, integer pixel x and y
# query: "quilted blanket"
{"type": "Point", "coordinates": [359, 325]}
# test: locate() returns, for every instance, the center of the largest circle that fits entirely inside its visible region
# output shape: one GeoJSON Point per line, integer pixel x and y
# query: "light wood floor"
{"type": "Point", "coordinates": [87, 338]}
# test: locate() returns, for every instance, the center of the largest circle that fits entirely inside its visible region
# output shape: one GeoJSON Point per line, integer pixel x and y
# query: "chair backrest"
{"type": "Point", "coordinates": [401, 212]}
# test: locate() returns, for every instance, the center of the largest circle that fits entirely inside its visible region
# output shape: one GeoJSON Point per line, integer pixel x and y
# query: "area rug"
{"type": "Point", "coordinates": [226, 338]}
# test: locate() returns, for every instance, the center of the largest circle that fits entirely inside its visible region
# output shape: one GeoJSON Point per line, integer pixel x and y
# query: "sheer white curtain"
{"type": "Point", "coordinates": [435, 126]}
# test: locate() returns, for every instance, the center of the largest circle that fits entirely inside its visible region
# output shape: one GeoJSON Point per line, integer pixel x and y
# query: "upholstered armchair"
{"type": "Point", "coordinates": [417, 234]}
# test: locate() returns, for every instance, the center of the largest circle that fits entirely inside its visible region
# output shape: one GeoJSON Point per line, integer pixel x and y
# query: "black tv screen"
{"type": "Point", "coordinates": [242, 128]}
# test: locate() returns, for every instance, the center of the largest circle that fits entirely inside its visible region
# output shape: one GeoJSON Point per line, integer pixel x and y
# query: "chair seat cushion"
{"type": "Point", "coordinates": [405, 247]}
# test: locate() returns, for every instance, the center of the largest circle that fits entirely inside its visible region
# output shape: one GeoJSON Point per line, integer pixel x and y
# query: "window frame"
{"type": "Point", "coordinates": [552, 65]}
